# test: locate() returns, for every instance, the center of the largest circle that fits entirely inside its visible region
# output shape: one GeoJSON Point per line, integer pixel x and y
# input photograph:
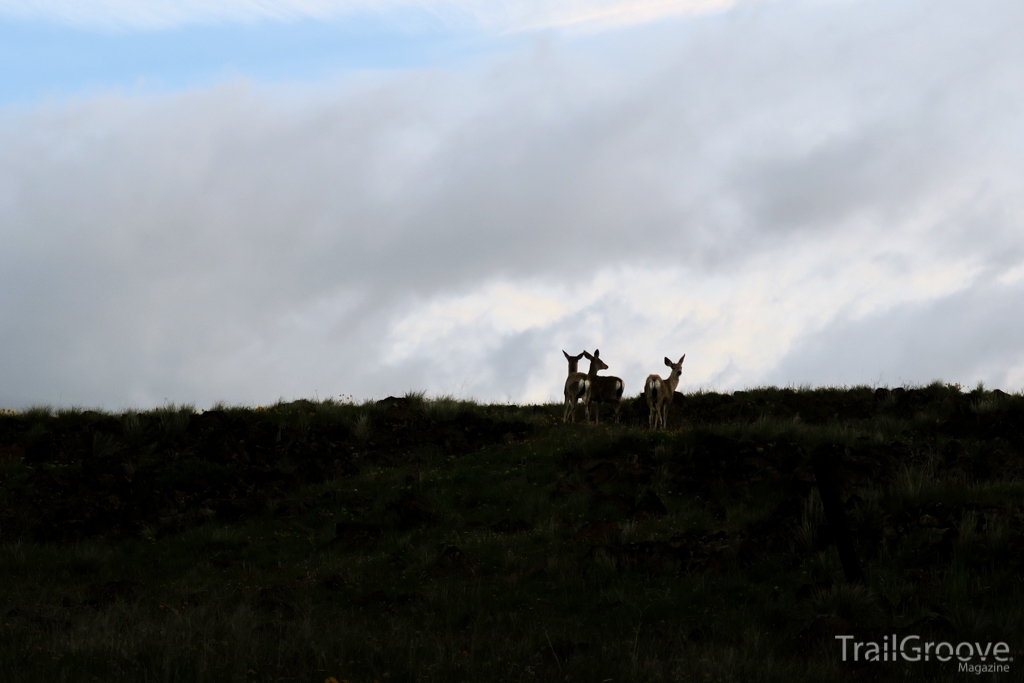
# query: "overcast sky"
{"type": "Point", "coordinates": [241, 200]}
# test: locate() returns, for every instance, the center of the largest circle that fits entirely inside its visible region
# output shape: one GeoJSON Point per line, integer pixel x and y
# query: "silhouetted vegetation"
{"type": "Point", "coordinates": [416, 539]}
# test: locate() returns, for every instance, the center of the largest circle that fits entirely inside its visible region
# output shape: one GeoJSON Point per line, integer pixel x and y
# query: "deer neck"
{"type": "Point", "coordinates": [673, 380]}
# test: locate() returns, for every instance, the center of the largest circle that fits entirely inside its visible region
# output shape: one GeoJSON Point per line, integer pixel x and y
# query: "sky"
{"type": "Point", "coordinates": [253, 200]}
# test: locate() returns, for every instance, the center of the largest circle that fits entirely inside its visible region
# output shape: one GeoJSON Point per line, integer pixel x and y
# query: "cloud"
{"type": "Point", "coordinates": [747, 191]}
{"type": "Point", "coordinates": [490, 15]}
{"type": "Point", "coordinates": [969, 335]}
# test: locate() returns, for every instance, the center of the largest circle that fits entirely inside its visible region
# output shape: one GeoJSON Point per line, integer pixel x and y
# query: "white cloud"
{"type": "Point", "coordinates": [834, 195]}
{"type": "Point", "coordinates": [735, 325]}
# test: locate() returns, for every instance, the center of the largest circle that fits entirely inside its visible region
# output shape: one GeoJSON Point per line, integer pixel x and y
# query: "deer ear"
{"type": "Point", "coordinates": [668, 362]}
{"type": "Point", "coordinates": [682, 358]}
{"type": "Point", "coordinates": [567, 356]}
{"type": "Point", "coordinates": [597, 353]}
{"type": "Point", "coordinates": [588, 356]}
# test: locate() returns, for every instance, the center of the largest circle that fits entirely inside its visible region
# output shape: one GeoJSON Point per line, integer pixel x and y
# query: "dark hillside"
{"type": "Point", "coordinates": [415, 539]}
{"type": "Point", "coordinates": [90, 474]}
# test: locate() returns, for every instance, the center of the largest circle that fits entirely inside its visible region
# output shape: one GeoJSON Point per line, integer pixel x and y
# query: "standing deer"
{"type": "Point", "coordinates": [659, 393]}
{"type": "Point", "coordinates": [575, 387]}
{"type": "Point", "coordinates": [601, 389]}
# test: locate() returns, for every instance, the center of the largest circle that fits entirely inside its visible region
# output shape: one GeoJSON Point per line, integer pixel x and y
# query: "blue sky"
{"type": "Point", "coordinates": [40, 59]}
{"type": "Point", "coordinates": [57, 50]}
{"type": "Point", "coordinates": [241, 201]}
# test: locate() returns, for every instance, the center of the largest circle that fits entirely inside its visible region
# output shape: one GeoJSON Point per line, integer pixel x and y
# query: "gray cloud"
{"type": "Point", "coordinates": [973, 335]}
{"type": "Point", "coordinates": [247, 242]}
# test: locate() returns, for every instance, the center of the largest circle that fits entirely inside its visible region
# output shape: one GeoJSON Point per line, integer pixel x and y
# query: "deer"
{"type": "Point", "coordinates": [575, 387]}
{"type": "Point", "coordinates": [659, 393]}
{"type": "Point", "coordinates": [603, 389]}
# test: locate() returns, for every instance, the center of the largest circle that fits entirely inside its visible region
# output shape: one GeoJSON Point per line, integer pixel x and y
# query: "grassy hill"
{"type": "Point", "coordinates": [438, 540]}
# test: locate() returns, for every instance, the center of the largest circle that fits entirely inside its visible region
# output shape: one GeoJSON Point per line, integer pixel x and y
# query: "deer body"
{"type": "Point", "coordinates": [659, 393]}
{"type": "Point", "coordinates": [603, 389]}
{"type": "Point", "coordinates": [575, 387]}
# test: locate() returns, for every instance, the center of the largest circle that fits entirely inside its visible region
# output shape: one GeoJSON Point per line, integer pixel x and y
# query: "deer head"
{"type": "Point", "coordinates": [595, 361]}
{"type": "Point", "coordinates": [574, 361]}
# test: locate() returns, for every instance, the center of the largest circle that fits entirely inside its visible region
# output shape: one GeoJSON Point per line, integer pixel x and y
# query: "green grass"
{"type": "Point", "coordinates": [559, 575]}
